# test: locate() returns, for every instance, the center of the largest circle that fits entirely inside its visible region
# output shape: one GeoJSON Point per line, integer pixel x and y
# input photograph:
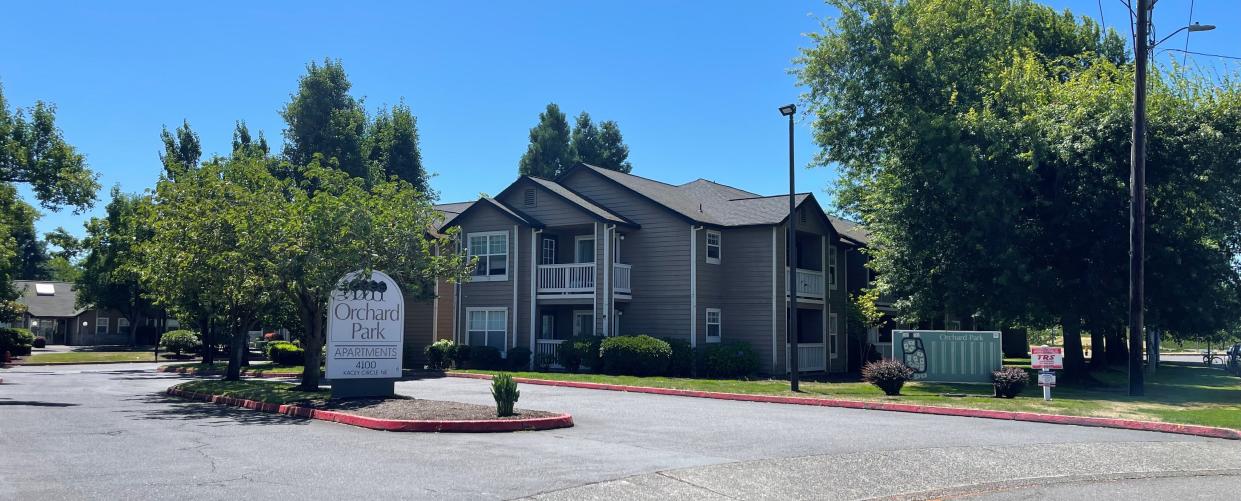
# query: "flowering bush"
{"type": "Point", "coordinates": [889, 375]}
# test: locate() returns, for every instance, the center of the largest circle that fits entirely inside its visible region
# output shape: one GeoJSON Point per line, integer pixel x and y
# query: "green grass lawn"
{"type": "Point", "coordinates": [1178, 393]}
{"type": "Point", "coordinates": [91, 357]}
{"type": "Point", "coordinates": [253, 389]}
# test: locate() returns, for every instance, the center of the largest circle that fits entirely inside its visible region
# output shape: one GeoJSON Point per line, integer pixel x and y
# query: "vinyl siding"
{"type": "Point", "coordinates": [746, 299]}
{"type": "Point", "coordinates": [498, 294]}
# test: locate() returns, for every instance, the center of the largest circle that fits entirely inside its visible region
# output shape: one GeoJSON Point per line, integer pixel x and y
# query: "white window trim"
{"type": "Point", "coordinates": [102, 322]}
{"type": "Point", "coordinates": [719, 247]}
{"type": "Point", "coordinates": [832, 267]}
{"type": "Point", "coordinates": [121, 323]}
{"type": "Point", "coordinates": [576, 246]}
{"type": "Point", "coordinates": [488, 235]}
{"type": "Point", "coordinates": [583, 313]}
{"type": "Point", "coordinates": [719, 323]}
{"type": "Point", "coordinates": [833, 333]}
{"type": "Point", "coordinates": [487, 310]}
{"type": "Point", "coordinates": [544, 248]}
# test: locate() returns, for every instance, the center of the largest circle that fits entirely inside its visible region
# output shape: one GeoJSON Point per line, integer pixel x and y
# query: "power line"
{"type": "Point", "coordinates": [1205, 54]}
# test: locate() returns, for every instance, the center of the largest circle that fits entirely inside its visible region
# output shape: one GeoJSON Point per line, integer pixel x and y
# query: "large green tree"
{"type": "Point", "coordinates": [392, 146]}
{"type": "Point", "coordinates": [323, 118]}
{"type": "Point", "coordinates": [29, 254]}
{"type": "Point", "coordinates": [111, 271]}
{"type": "Point", "coordinates": [33, 151]}
{"type": "Point", "coordinates": [550, 152]}
{"type": "Point", "coordinates": [182, 150]}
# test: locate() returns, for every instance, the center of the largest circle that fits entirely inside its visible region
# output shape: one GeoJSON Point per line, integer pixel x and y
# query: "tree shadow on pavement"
{"type": "Point", "coordinates": [164, 407]}
{"type": "Point", "coordinates": [35, 403]}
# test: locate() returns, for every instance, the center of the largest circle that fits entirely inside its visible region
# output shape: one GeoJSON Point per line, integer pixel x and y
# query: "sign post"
{"type": "Point", "coordinates": [1046, 359]}
{"type": "Point", "coordinates": [365, 336]}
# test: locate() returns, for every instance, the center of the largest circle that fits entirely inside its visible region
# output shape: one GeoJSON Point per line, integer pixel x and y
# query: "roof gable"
{"type": "Point", "coordinates": [492, 203]}
{"type": "Point", "coordinates": [578, 201]}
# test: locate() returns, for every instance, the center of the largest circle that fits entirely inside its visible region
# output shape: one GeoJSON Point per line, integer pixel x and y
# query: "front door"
{"type": "Point", "coordinates": [583, 323]}
{"type": "Point", "coordinates": [548, 327]}
{"type": "Point", "coordinates": [584, 249]}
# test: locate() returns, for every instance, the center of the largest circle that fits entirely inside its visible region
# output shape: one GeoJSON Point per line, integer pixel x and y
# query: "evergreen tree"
{"type": "Point", "coordinates": [585, 140]}
{"type": "Point", "coordinates": [181, 151]}
{"type": "Point", "coordinates": [549, 153]}
{"type": "Point", "coordinates": [392, 144]}
{"type": "Point", "coordinates": [613, 152]}
{"type": "Point", "coordinates": [322, 118]}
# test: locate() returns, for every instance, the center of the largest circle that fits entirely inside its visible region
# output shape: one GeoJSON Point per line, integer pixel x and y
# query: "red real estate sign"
{"type": "Point", "coordinates": [1045, 357]}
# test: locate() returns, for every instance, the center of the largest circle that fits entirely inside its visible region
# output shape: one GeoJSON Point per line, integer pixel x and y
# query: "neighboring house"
{"type": "Point", "coordinates": [52, 313]}
{"type": "Point", "coordinates": [599, 252]}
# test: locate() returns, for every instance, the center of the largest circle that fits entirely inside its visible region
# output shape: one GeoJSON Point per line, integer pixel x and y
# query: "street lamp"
{"type": "Point", "coordinates": [790, 332]}
{"type": "Point", "coordinates": [1137, 190]}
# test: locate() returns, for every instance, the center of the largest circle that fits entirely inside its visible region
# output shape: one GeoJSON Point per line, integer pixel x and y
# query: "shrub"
{"type": "Point", "coordinates": [635, 355]}
{"type": "Point", "coordinates": [504, 390]}
{"type": "Point", "coordinates": [485, 357]}
{"type": "Point", "coordinates": [40, 342]}
{"type": "Point", "coordinates": [439, 354]}
{"type": "Point", "coordinates": [179, 341]}
{"type": "Point", "coordinates": [889, 375]}
{"type": "Point", "coordinates": [1009, 381]}
{"type": "Point", "coordinates": [682, 363]}
{"type": "Point", "coordinates": [543, 361]}
{"type": "Point", "coordinates": [580, 351]}
{"type": "Point", "coordinates": [16, 341]}
{"type": "Point", "coordinates": [729, 359]}
{"type": "Point", "coordinates": [285, 353]}
{"type": "Point", "coordinates": [460, 355]}
{"type": "Point", "coordinates": [519, 358]}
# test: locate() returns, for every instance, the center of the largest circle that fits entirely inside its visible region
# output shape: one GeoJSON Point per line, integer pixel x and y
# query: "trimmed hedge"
{"type": "Point", "coordinates": [485, 357]}
{"type": "Point", "coordinates": [519, 358]}
{"type": "Point", "coordinates": [439, 354]}
{"type": "Point", "coordinates": [285, 353]}
{"type": "Point", "coordinates": [682, 363]}
{"type": "Point", "coordinates": [580, 351]}
{"type": "Point", "coordinates": [635, 355]}
{"type": "Point", "coordinates": [729, 359]}
{"type": "Point", "coordinates": [16, 341]}
{"type": "Point", "coordinates": [460, 355]}
{"type": "Point", "coordinates": [179, 341]}
{"type": "Point", "coordinates": [40, 342]}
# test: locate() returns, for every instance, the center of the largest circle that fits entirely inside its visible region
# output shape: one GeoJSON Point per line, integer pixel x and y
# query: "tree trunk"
{"type": "Point", "coordinates": [312, 343]}
{"type": "Point", "coordinates": [208, 340]}
{"type": "Point", "coordinates": [1117, 351]}
{"type": "Point", "coordinates": [1074, 362]}
{"type": "Point", "coordinates": [236, 343]}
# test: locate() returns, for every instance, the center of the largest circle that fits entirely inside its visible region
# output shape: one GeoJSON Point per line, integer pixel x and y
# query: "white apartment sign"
{"type": "Point", "coordinates": [365, 328]}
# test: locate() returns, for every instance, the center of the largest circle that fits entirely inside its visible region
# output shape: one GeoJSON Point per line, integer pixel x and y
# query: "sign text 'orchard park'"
{"type": "Point", "coordinates": [365, 328]}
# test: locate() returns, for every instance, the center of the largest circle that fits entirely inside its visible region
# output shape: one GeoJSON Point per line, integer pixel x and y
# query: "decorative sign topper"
{"type": "Point", "coordinates": [365, 328]}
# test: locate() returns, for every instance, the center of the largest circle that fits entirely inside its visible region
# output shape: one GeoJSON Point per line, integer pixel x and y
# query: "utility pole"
{"type": "Point", "coordinates": [1137, 201]}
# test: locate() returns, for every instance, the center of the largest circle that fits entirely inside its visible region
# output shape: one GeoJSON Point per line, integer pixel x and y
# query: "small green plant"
{"type": "Point", "coordinates": [460, 355]}
{"type": "Point", "coordinates": [179, 341]}
{"type": "Point", "coordinates": [439, 354]}
{"type": "Point", "coordinates": [635, 355]}
{"type": "Point", "coordinates": [889, 375]}
{"type": "Point", "coordinates": [504, 390]}
{"type": "Point", "coordinates": [40, 342]}
{"type": "Point", "coordinates": [1009, 381]}
{"type": "Point", "coordinates": [285, 353]}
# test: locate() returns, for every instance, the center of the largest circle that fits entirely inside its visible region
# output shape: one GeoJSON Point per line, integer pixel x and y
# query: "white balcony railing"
{"type": "Point", "coordinates": [621, 273]}
{"type": "Point", "coordinates": [811, 357]}
{"type": "Point", "coordinates": [545, 352]}
{"type": "Point", "coordinates": [809, 284]}
{"type": "Point", "coordinates": [573, 278]}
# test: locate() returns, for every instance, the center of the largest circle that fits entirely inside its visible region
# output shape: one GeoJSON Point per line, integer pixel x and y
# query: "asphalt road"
{"type": "Point", "coordinates": [107, 432]}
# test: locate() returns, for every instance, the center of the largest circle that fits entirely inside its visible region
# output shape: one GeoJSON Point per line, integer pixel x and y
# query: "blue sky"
{"type": "Point", "coordinates": [694, 85]}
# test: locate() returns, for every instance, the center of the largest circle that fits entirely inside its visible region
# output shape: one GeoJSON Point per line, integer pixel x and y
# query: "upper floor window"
{"type": "Point", "coordinates": [833, 333]}
{"type": "Point", "coordinates": [549, 251]}
{"type": "Point", "coordinates": [831, 267]}
{"type": "Point", "coordinates": [714, 327]}
{"type": "Point", "coordinates": [491, 250]}
{"type": "Point", "coordinates": [713, 247]}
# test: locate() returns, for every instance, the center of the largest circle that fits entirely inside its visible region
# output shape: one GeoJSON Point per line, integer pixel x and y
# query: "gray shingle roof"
{"type": "Point", "coordinates": [851, 230]}
{"type": "Point", "coordinates": [580, 201]}
{"type": "Point", "coordinates": [60, 304]}
{"type": "Point", "coordinates": [449, 211]}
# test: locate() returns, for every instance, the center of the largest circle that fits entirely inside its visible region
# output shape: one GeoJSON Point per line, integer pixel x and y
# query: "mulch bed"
{"type": "Point", "coordinates": [419, 409]}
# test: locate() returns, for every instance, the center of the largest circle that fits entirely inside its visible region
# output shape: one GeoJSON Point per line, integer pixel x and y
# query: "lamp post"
{"type": "Point", "coordinates": [790, 332]}
{"type": "Point", "coordinates": [1137, 190]}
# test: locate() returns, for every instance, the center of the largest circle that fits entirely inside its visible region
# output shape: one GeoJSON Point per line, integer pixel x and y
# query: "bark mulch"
{"type": "Point", "coordinates": [419, 409]}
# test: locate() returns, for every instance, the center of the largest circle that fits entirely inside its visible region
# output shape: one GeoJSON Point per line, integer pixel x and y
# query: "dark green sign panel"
{"type": "Point", "coordinates": [949, 356]}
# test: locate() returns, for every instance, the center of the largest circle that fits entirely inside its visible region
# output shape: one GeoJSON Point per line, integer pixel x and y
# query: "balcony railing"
{"type": "Point", "coordinates": [621, 273]}
{"type": "Point", "coordinates": [546, 352]}
{"type": "Point", "coordinates": [573, 278]}
{"type": "Point", "coordinates": [809, 284]}
{"type": "Point", "coordinates": [811, 357]}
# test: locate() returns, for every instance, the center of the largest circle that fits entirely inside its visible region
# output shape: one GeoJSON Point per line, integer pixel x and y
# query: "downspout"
{"type": "Point", "coordinates": [827, 306]}
{"type": "Point", "coordinates": [607, 267]}
{"type": "Point", "coordinates": [846, 310]}
{"type": "Point", "coordinates": [693, 285]}
{"type": "Point", "coordinates": [534, 238]}
{"type": "Point", "coordinates": [456, 306]}
{"type": "Point", "coordinates": [594, 291]}
{"type": "Point", "coordinates": [515, 276]}
{"type": "Point", "coordinates": [775, 336]}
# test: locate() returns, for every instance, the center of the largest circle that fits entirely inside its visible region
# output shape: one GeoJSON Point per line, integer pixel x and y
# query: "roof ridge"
{"type": "Point", "coordinates": [596, 167]}
{"type": "Point", "coordinates": [717, 183]}
{"type": "Point", "coordinates": [807, 193]}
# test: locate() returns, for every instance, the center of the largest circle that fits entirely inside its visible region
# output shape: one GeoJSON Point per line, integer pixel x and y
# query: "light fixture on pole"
{"type": "Point", "coordinates": [790, 331]}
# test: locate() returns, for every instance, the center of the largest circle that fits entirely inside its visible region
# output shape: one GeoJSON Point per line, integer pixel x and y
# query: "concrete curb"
{"type": "Point", "coordinates": [1034, 417]}
{"type": "Point", "coordinates": [191, 371]}
{"type": "Point", "coordinates": [460, 426]}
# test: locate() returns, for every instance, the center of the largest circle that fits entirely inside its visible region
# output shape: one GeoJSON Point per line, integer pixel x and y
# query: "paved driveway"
{"type": "Point", "coordinates": [106, 432]}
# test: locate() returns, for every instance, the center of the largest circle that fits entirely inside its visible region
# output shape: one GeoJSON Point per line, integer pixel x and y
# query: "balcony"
{"type": "Point", "coordinates": [810, 284]}
{"type": "Point", "coordinates": [811, 357]}
{"type": "Point", "coordinates": [579, 279]}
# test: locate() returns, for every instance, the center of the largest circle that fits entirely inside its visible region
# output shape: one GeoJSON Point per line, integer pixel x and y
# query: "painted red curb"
{"type": "Point", "coordinates": [1126, 424]}
{"type": "Point", "coordinates": [461, 426]}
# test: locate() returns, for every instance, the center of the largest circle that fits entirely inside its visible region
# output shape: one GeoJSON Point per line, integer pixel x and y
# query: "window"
{"type": "Point", "coordinates": [491, 249]}
{"type": "Point", "coordinates": [714, 329]}
{"type": "Point", "coordinates": [832, 333]}
{"type": "Point", "coordinates": [831, 267]}
{"type": "Point", "coordinates": [487, 327]}
{"type": "Point", "coordinates": [584, 246]}
{"type": "Point", "coordinates": [713, 247]}
{"type": "Point", "coordinates": [549, 251]}
{"type": "Point", "coordinates": [101, 326]}
{"type": "Point", "coordinates": [547, 326]}
{"type": "Point", "coordinates": [122, 326]}
{"type": "Point", "coordinates": [583, 323]}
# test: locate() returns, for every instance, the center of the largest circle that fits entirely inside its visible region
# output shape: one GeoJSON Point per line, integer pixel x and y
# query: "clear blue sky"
{"type": "Point", "coordinates": [694, 85]}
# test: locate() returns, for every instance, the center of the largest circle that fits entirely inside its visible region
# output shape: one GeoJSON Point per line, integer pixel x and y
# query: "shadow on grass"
{"type": "Point", "coordinates": [164, 407]}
